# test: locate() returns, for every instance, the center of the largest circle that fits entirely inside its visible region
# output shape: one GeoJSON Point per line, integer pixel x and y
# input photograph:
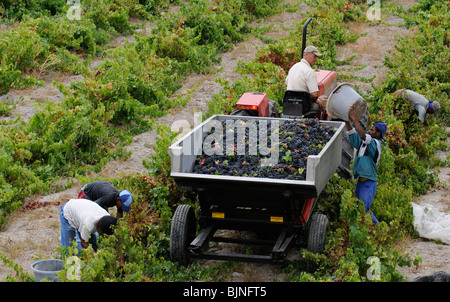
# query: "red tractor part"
{"type": "Point", "coordinates": [327, 81]}
{"type": "Point", "coordinates": [255, 104]}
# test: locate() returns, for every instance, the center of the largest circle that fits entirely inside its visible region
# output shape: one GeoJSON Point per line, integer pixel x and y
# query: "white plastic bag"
{"type": "Point", "coordinates": [431, 223]}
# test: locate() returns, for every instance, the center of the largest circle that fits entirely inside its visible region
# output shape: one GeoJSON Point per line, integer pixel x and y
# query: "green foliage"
{"type": "Point", "coordinates": [111, 16]}
{"type": "Point", "coordinates": [353, 241]}
{"type": "Point", "coordinates": [16, 180]}
{"type": "Point", "coordinates": [152, 6]}
{"type": "Point", "coordinates": [183, 46]}
{"type": "Point", "coordinates": [67, 34]}
{"type": "Point", "coordinates": [160, 163]}
{"type": "Point", "coordinates": [136, 71]}
{"type": "Point", "coordinates": [20, 273]}
{"type": "Point", "coordinates": [6, 108]}
{"type": "Point", "coordinates": [8, 76]}
{"type": "Point", "coordinates": [16, 9]}
{"type": "Point", "coordinates": [120, 97]}
{"type": "Point", "coordinates": [23, 48]}
{"type": "Point", "coordinates": [123, 258]}
{"type": "Point", "coordinates": [47, 39]}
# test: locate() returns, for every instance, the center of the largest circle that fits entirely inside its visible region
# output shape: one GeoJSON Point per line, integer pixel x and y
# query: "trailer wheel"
{"type": "Point", "coordinates": [316, 238]}
{"type": "Point", "coordinates": [182, 232]}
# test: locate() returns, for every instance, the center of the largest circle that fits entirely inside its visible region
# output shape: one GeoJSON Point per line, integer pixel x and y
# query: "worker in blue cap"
{"type": "Point", "coordinates": [368, 154]}
{"type": "Point", "coordinates": [107, 196]}
{"type": "Point", "coordinates": [421, 104]}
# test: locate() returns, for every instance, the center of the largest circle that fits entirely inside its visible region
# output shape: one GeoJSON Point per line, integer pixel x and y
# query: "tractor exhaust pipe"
{"type": "Point", "coordinates": [304, 35]}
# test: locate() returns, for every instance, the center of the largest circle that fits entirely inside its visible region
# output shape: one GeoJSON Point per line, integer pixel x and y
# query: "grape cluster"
{"type": "Point", "coordinates": [296, 140]}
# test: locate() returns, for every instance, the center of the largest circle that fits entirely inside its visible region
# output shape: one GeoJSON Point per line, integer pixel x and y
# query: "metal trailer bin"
{"type": "Point", "coordinates": [277, 209]}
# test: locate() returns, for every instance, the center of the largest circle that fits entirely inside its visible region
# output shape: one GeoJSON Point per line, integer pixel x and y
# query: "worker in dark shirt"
{"type": "Point", "coordinates": [107, 196]}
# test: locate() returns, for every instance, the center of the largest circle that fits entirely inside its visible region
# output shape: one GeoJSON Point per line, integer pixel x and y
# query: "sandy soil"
{"type": "Point", "coordinates": [33, 231]}
{"type": "Point", "coordinates": [369, 51]}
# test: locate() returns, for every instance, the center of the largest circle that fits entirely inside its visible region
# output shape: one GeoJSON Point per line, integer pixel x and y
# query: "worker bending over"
{"type": "Point", "coordinates": [422, 105]}
{"type": "Point", "coordinates": [84, 217]}
{"type": "Point", "coordinates": [107, 196]}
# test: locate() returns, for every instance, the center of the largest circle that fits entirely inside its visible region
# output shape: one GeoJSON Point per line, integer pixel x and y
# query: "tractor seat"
{"type": "Point", "coordinates": [297, 104]}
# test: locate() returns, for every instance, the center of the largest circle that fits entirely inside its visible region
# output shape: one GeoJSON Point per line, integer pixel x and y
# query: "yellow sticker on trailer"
{"type": "Point", "coordinates": [220, 215]}
{"type": "Point", "coordinates": [276, 219]}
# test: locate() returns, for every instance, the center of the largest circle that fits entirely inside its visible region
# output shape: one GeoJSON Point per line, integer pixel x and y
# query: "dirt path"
{"type": "Point", "coordinates": [33, 233]}
{"type": "Point", "coordinates": [369, 52]}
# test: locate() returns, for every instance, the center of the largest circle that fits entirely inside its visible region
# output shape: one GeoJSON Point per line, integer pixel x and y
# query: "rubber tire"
{"type": "Point", "coordinates": [316, 238]}
{"type": "Point", "coordinates": [182, 232]}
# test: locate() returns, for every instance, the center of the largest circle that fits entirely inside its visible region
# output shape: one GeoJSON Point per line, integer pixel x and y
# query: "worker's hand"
{"type": "Point", "coordinates": [352, 114]}
{"type": "Point", "coordinates": [319, 102]}
{"type": "Point", "coordinates": [84, 244]}
{"type": "Point", "coordinates": [321, 99]}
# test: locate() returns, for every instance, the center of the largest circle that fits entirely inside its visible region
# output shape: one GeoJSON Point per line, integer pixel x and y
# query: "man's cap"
{"type": "Point", "coordinates": [106, 223]}
{"type": "Point", "coordinates": [314, 50]}
{"type": "Point", "coordinates": [381, 126]}
{"type": "Point", "coordinates": [127, 199]}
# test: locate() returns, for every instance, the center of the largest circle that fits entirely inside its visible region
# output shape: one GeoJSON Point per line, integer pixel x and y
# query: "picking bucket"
{"type": "Point", "coordinates": [341, 99]}
{"type": "Point", "coordinates": [47, 269]}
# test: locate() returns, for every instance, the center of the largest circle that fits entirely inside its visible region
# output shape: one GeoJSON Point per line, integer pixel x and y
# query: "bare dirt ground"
{"type": "Point", "coordinates": [32, 233]}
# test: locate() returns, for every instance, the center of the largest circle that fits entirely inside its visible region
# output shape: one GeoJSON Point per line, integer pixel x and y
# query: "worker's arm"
{"type": "Point", "coordinates": [84, 233]}
{"type": "Point", "coordinates": [353, 118]}
{"type": "Point", "coordinates": [313, 87]}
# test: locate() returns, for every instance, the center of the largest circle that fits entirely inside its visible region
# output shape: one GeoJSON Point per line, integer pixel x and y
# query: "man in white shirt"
{"type": "Point", "coordinates": [421, 104]}
{"type": "Point", "coordinates": [301, 76]}
{"type": "Point", "coordinates": [85, 217]}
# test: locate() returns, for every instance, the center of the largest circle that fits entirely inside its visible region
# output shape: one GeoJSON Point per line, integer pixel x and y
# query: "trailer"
{"type": "Point", "coordinates": [279, 211]}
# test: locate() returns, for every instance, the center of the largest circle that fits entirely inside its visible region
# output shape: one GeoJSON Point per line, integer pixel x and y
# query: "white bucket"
{"type": "Point", "coordinates": [47, 269]}
{"type": "Point", "coordinates": [341, 99]}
